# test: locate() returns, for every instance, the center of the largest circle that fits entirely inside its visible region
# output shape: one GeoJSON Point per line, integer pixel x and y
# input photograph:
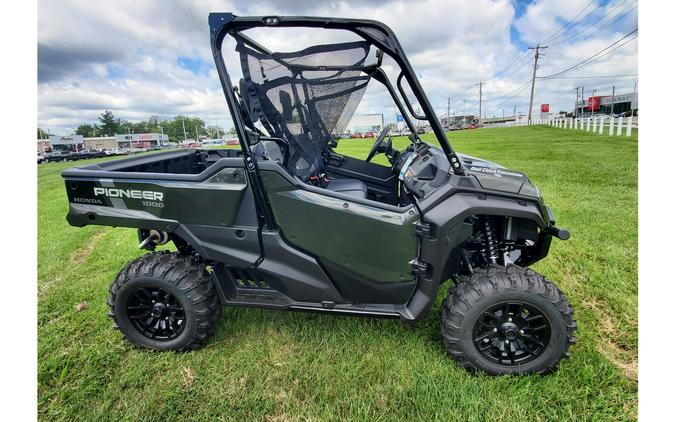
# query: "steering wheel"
{"type": "Point", "coordinates": [378, 143]}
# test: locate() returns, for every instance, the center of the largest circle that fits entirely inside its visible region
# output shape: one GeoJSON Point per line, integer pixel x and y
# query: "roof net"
{"type": "Point", "coordinates": [306, 97]}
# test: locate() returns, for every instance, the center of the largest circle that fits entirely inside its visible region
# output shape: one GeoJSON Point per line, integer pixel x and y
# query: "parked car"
{"type": "Point", "coordinates": [117, 151]}
{"type": "Point", "coordinates": [473, 126]}
{"type": "Point", "coordinates": [421, 130]}
{"type": "Point", "coordinates": [357, 136]}
{"type": "Point", "coordinates": [369, 135]}
{"type": "Point", "coordinates": [58, 155]}
{"type": "Point", "coordinates": [89, 153]}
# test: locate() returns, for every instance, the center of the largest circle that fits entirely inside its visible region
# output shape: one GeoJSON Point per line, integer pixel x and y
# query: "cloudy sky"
{"type": "Point", "coordinates": [152, 57]}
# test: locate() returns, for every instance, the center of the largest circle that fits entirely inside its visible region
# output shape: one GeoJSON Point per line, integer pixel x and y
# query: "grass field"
{"type": "Point", "coordinates": [277, 366]}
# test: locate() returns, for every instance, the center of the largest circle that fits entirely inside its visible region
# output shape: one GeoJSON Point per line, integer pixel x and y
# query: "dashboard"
{"type": "Point", "coordinates": [422, 168]}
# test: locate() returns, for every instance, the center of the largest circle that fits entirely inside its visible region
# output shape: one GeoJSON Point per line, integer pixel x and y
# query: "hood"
{"type": "Point", "coordinates": [493, 176]}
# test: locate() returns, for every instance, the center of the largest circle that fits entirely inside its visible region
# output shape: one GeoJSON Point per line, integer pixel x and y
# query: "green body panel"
{"type": "Point", "coordinates": [212, 202]}
{"type": "Point", "coordinates": [372, 242]}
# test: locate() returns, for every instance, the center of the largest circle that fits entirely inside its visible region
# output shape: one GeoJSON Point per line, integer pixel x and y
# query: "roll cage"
{"type": "Point", "coordinates": [373, 32]}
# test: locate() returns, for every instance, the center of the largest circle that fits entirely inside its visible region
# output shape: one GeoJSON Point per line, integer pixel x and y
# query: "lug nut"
{"type": "Point", "coordinates": [494, 330]}
{"type": "Point", "coordinates": [510, 319]}
{"type": "Point", "coordinates": [521, 332]}
{"type": "Point", "coordinates": [506, 341]}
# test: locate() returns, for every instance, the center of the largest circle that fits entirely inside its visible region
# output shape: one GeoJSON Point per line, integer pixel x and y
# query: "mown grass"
{"type": "Point", "coordinates": [270, 365]}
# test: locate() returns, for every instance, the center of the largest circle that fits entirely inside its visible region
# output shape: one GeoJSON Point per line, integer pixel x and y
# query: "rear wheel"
{"type": "Point", "coordinates": [164, 301]}
{"type": "Point", "coordinates": [507, 320]}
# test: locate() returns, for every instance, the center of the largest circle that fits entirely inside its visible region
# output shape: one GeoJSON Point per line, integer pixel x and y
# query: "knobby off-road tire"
{"type": "Point", "coordinates": [502, 310]}
{"type": "Point", "coordinates": [164, 301]}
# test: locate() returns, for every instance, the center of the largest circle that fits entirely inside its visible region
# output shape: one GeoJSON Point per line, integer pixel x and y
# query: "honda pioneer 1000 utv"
{"type": "Point", "coordinates": [286, 222]}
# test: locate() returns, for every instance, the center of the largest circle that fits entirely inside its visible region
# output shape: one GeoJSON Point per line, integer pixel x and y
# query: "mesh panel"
{"type": "Point", "coordinates": [306, 96]}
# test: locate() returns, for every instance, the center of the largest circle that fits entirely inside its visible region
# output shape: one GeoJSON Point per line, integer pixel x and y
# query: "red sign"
{"type": "Point", "coordinates": [544, 108]}
{"type": "Point", "coordinates": [593, 103]}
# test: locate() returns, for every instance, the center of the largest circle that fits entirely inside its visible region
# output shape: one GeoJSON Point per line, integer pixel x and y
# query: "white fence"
{"type": "Point", "coordinates": [615, 126]}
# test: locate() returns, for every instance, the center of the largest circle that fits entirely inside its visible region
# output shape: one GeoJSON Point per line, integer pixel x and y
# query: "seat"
{"type": "Point", "coordinates": [268, 150]}
{"type": "Point", "coordinates": [351, 187]}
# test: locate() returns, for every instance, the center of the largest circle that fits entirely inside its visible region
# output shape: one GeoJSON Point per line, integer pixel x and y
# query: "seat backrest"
{"type": "Point", "coordinates": [268, 150]}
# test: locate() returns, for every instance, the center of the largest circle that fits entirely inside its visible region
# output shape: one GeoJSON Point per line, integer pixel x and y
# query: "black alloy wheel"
{"type": "Point", "coordinates": [155, 313]}
{"type": "Point", "coordinates": [511, 333]}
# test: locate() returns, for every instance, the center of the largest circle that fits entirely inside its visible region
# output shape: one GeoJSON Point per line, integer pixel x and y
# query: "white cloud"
{"type": "Point", "coordinates": [124, 55]}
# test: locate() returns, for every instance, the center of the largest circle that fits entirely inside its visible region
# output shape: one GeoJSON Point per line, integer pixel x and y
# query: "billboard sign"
{"type": "Point", "coordinates": [594, 103]}
{"type": "Point", "coordinates": [544, 108]}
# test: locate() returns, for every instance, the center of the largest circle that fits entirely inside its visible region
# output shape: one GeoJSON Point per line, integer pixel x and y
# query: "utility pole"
{"type": "Point", "coordinates": [184, 132]}
{"type": "Point", "coordinates": [514, 111]}
{"type": "Point", "coordinates": [632, 102]}
{"type": "Point", "coordinates": [464, 114]}
{"type": "Point", "coordinates": [593, 109]}
{"type": "Point", "coordinates": [582, 101]}
{"type": "Point", "coordinates": [611, 110]}
{"type": "Point", "coordinates": [447, 115]}
{"type": "Point", "coordinates": [534, 77]}
{"type": "Point", "coordinates": [480, 104]}
{"type": "Point", "coordinates": [576, 103]}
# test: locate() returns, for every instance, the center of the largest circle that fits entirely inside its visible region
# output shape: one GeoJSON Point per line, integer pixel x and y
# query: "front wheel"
{"type": "Point", "coordinates": [164, 301]}
{"type": "Point", "coordinates": [507, 320]}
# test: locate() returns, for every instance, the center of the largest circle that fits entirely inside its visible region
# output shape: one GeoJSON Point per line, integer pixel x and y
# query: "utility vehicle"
{"type": "Point", "coordinates": [286, 222]}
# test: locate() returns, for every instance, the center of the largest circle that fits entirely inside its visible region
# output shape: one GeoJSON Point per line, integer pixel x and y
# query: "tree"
{"type": "Point", "coordinates": [109, 124]}
{"type": "Point", "coordinates": [87, 130]}
{"type": "Point", "coordinates": [41, 134]}
{"type": "Point", "coordinates": [214, 132]}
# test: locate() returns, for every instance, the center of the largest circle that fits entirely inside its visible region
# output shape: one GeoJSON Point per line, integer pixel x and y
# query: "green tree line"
{"type": "Point", "coordinates": [178, 128]}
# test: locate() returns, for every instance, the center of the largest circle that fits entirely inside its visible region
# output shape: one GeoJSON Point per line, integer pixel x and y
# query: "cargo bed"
{"type": "Point", "coordinates": [158, 191]}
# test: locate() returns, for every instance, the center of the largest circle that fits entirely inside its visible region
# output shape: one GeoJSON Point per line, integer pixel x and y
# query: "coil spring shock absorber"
{"type": "Point", "coordinates": [490, 241]}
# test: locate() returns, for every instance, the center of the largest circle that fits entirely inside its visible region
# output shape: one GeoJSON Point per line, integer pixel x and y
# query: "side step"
{"type": "Point", "coordinates": [266, 298]}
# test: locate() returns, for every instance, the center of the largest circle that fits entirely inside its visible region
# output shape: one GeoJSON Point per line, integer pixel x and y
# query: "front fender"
{"type": "Point", "coordinates": [449, 228]}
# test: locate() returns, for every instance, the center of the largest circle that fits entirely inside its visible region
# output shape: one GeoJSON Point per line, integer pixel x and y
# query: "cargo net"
{"type": "Point", "coordinates": [306, 97]}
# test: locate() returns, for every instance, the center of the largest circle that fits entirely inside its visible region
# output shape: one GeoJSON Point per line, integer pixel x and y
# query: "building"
{"type": "Point", "coordinates": [101, 142]}
{"type": "Point", "coordinates": [43, 146]}
{"type": "Point", "coordinates": [71, 143]}
{"type": "Point", "coordinates": [141, 140]}
{"type": "Point", "coordinates": [603, 104]}
{"type": "Point", "coordinates": [362, 123]}
{"type": "Point", "coordinates": [460, 121]}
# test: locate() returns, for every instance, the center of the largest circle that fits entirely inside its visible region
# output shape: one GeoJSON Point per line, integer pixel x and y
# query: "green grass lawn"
{"type": "Point", "coordinates": [277, 366]}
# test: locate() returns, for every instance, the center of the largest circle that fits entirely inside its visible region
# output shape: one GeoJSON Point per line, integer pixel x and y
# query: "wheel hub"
{"type": "Point", "coordinates": [509, 330]}
{"type": "Point", "coordinates": [158, 310]}
{"type": "Point", "coordinates": [511, 333]}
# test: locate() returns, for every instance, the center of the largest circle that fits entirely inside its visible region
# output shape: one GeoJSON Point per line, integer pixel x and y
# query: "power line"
{"type": "Point", "coordinates": [595, 56]}
{"type": "Point", "coordinates": [507, 67]}
{"type": "Point", "coordinates": [509, 93]}
{"type": "Point", "coordinates": [514, 94]}
{"type": "Point", "coordinates": [574, 21]}
{"type": "Point", "coordinates": [591, 25]}
{"type": "Point", "coordinates": [632, 75]}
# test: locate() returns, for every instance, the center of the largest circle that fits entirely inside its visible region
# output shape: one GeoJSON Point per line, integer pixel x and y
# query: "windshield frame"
{"type": "Point", "coordinates": [376, 33]}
